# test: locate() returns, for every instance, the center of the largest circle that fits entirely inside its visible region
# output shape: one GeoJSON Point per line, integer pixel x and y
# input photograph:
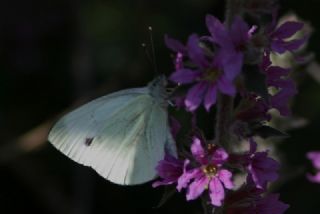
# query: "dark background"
{"type": "Point", "coordinates": [55, 55]}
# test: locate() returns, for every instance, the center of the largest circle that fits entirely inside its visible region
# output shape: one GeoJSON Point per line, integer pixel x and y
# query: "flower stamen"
{"type": "Point", "coordinates": [210, 170]}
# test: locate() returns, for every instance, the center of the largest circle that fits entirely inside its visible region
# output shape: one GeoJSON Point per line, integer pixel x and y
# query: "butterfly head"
{"type": "Point", "coordinates": [157, 88]}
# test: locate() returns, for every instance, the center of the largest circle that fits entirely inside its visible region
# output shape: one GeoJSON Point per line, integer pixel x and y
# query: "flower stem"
{"type": "Point", "coordinates": [225, 103]}
{"type": "Point", "coordinates": [223, 119]}
{"type": "Point", "coordinates": [207, 207]}
{"type": "Point", "coordinates": [233, 8]}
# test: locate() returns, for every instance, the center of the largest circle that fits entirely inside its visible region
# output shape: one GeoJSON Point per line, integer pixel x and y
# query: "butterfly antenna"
{"type": "Point", "coordinates": [147, 53]}
{"type": "Point", "coordinates": [155, 67]}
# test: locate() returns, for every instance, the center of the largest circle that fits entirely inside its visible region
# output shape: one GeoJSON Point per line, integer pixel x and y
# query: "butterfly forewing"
{"type": "Point", "coordinates": [121, 135]}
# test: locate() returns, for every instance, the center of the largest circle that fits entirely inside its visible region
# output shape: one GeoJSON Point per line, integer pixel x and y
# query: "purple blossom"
{"type": "Point", "coordinates": [261, 168]}
{"type": "Point", "coordinates": [207, 77]}
{"type": "Point", "coordinates": [232, 42]}
{"type": "Point", "coordinates": [249, 200]}
{"type": "Point", "coordinates": [278, 36]}
{"type": "Point", "coordinates": [269, 204]}
{"type": "Point", "coordinates": [208, 173]}
{"type": "Point", "coordinates": [169, 169]}
{"type": "Point", "coordinates": [214, 72]}
{"type": "Point", "coordinates": [277, 77]}
{"type": "Point", "coordinates": [314, 157]}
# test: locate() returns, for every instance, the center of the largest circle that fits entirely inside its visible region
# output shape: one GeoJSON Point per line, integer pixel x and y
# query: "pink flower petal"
{"type": "Point", "coordinates": [216, 192]}
{"type": "Point", "coordinates": [187, 176]}
{"type": "Point", "coordinates": [197, 187]}
{"type": "Point", "coordinates": [197, 150]}
{"type": "Point", "coordinates": [226, 177]}
{"type": "Point", "coordinates": [314, 156]}
{"type": "Point", "coordinates": [219, 156]}
{"type": "Point", "coordinates": [314, 178]}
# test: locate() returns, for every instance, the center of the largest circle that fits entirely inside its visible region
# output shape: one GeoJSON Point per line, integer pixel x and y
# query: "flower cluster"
{"type": "Point", "coordinates": [210, 71]}
{"type": "Point", "coordinates": [232, 61]}
{"type": "Point", "coordinates": [210, 169]}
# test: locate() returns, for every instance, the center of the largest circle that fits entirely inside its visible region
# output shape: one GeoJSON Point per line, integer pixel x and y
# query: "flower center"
{"type": "Point", "coordinates": [210, 170]}
{"type": "Point", "coordinates": [212, 74]}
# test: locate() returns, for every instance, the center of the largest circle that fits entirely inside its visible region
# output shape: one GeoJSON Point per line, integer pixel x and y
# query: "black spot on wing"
{"type": "Point", "coordinates": [88, 141]}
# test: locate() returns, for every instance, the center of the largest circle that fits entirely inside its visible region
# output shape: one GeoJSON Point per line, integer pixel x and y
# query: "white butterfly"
{"type": "Point", "coordinates": [122, 135]}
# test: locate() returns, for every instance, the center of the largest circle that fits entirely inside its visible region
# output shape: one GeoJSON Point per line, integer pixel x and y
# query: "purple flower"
{"type": "Point", "coordinates": [232, 42]}
{"type": "Point", "coordinates": [210, 72]}
{"type": "Point", "coordinates": [277, 77]}
{"type": "Point", "coordinates": [207, 75]}
{"type": "Point", "coordinates": [278, 36]}
{"type": "Point", "coordinates": [261, 168]}
{"type": "Point", "coordinates": [208, 173]}
{"type": "Point", "coordinates": [248, 200]}
{"type": "Point", "coordinates": [314, 157]}
{"type": "Point", "coordinates": [269, 204]}
{"type": "Point", "coordinates": [169, 169]}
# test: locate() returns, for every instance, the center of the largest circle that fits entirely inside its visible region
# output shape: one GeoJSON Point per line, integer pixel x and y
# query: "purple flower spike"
{"type": "Point", "coordinates": [169, 169]}
{"type": "Point", "coordinates": [314, 157]}
{"type": "Point", "coordinates": [208, 173]}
